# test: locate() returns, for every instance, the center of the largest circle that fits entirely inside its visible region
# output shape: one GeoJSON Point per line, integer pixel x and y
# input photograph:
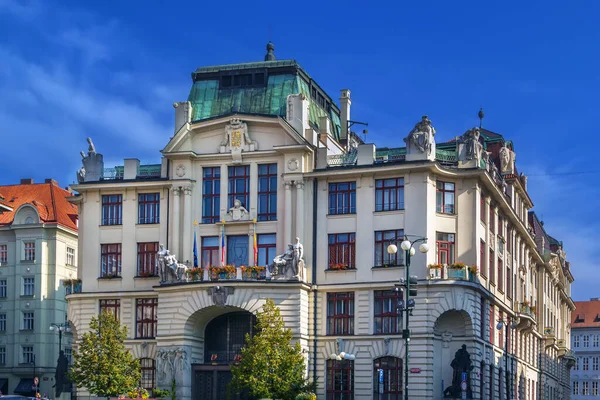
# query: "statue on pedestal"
{"type": "Point", "coordinates": [461, 364]}
{"type": "Point", "coordinates": [421, 136]}
{"type": "Point", "coordinates": [92, 165]}
{"type": "Point", "coordinates": [60, 376]}
{"type": "Point", "coordinates": [292, 261]}
{"type": "Point", "coordinates": [168, 267]}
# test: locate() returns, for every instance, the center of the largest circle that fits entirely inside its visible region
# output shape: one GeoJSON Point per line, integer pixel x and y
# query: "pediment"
{"type": "Point", "coordinates": [235, 134]}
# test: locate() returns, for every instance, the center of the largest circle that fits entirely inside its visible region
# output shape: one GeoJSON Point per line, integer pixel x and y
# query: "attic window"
{"type": "Point", "coordinates": [597, 319]}
{"type": "Point", "coordinates": [243, 80]}
{"type": "Point", "coordinates": [580, 318]}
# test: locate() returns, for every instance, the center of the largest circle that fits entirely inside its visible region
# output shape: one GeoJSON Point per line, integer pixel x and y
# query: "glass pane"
{"type": "Point", "coordinates": [237, 250]}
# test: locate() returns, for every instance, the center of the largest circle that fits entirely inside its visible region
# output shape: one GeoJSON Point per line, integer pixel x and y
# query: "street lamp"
{"type": "Point", "coordinates": [60, 328]}
{"type": "Point", "coordinates": [512, 324]}
{"type": "Point", "coordinates": [407, 307]}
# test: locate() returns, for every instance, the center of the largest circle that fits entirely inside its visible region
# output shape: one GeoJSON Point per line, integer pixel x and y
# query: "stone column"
{"type": "Point", "coordinates": [187, 225]}
{"type": "Point", "coordinates": [287, 233]}
{"type": "Point", "coordinates": [299, 212]}
{"type": "Point", "coordinates": [176, 220]}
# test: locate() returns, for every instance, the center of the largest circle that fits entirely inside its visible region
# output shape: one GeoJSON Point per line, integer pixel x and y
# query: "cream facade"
{"type": "Point", "coordinates": [38, 250]}
{"type": "Point", "coordinates": [283, 152]}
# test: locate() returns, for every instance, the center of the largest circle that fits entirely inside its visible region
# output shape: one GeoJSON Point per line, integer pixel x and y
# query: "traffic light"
{"type": "Point", "coordinates": [413, 289]}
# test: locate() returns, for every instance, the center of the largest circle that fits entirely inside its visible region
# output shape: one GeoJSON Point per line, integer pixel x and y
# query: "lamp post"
{"type": "Point", "coordinates": [60, 328]}
{"type": "Point", "coordinates": [512, 324]}
{"type": "Point", "coordinates": [407, 246]}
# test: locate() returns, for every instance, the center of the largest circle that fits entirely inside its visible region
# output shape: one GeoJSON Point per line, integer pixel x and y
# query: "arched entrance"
{"type": "Point", "coordinates": [224, 337]}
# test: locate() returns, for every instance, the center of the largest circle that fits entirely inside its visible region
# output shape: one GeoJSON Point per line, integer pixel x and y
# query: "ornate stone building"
{"type": "Point", "coordinates": [263, 171]}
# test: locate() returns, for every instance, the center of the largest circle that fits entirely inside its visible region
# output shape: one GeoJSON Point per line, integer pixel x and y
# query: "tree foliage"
{"type": "Point", "coordinates": [101, 363]}
{"type": "Point", "coordinates": [271, 367]}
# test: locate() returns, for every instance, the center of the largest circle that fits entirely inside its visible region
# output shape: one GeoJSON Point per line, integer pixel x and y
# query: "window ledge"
{"type": "Point", "coordinates": [341, 270]}
{"type": "Point", "coordinates": [442, 214]}
{"type": "Point", "coordinates": [387, 267]}
{"type": "Point", "coordinates": [112, 226]}
{"type": "Point", "coordinates": [148, 224]}
{"type": "Point", "coordinates": [26, 330]}
{"type": "Point", "coordinates": [389, 212]}
{"type": "Point", "coordinates": [145, 277]}
{"type": "Point", "coordinates": [28, 296]}
{"type": "Point", "coordinates": [106, 278]}
{"type": "Point", "coordinates": [341, 215]}
{"type": "Point", "coordinates": [3, 263]}
{"type": "Point", "coordinates": [27, 261]}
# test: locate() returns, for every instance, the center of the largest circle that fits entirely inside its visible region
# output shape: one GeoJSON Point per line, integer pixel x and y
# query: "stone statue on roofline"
{"type": "Point", "coordinates": [420, 142]}
{"type": "Point", "coordinates": [507, 160]}
{"type": "Point", "coordinates": [92, 165]}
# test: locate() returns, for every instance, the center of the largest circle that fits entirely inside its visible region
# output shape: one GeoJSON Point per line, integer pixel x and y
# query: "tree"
{"type": "Point", "coordinates": [101, 363]}
{"type": "Point", "coordinates": [270, 366]}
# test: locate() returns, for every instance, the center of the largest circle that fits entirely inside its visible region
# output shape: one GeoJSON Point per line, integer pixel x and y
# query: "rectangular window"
{"type": "Point", "coordinates": [575, 387]}
{"type": "Point", "coordinates": [29, 251]}
{"type": "Point", "coordinates": [492, 267]}
{"type": "Point", "coordinates": [267, 192]}
{"type": "Point", "coordinates": [3, 253]}
{"type": "Point", "coordinates": [444, 199]}
{"type": "Point", "coordinates": [239, 185]}
{"type": "Point", "coordinates": [149, 208]}
{"type": "Point", "coordinates": [382, 240]}
{"type": "Point", "coordinates": [500, 275]}
{"type": "Point", "coordinates": [389, 194]}
{"type": "Point", "coordinates": [482, 212]}
{"type": "Point", "coordinates": [148, 369]}
{"type": "Point", "coordinates": [445, 248]}
{"type": "Point", "coordinates": [237, 250]}
{"type": "Point", "coordinates": [112, 306]}
{"type": "Point", "coordinates": [585, 388]}
{"type": "Point", "coordinates": [112, 209]}
{"type": "Point", "coordinates": [210, 252]}
{"type": "Point", "coordinates": [2, 355]}
{"type": "Point", "coordinates": [509, 283]}
{"type": "Point", "coordinates": [340, 313]}
{"type": "Point", "coordinates": [267, 248]}
{"type": "Point", "coordinates": [27, 355]}
{"type": "Point", "coordinates": [70, 256]}
{"type": "Point", "coordinates": [146, 321]}
{"type": "Point", "coordinates": [577, 364]}
{"type": "Point", "coordinates": [386, 316]}
{"type": "Point", "coordinates": [501, 331]}
{"type": "Point", "coordinates": [3, 322]}
{"type": "Point", "coordinates": [342, 198]}
{"type": "Point", "coordinates": [595, 337]}
{"type": "Point", "coordinates": [146, 259]}
{"type": "Point", "coordinates": [69, 355]}
{"type": "Point", "coordinates": [482, 318]}
{"type": "Point", "coordinates": [28, 286]}
{"type": "Point", "coordinates": [483, 269]}
{"type": "Point", "coordinates": [492, 324]}
{"type": "Point", "coordinates": [594, 363]}
{"type": "Point", "coordinates": [576, 341]}
{"type": "Point", "coordinates": [594, 388]}
{"type": "Point", "coordinates": [110, 260]}
{"type": "Point", "coordinates": [340, 380]}
{"type": "Point", "coordinates": [3, 289]}
{"type": "Point", "coordinates": [28, 319]}
{"type": "Point", "coordinates": [500, 225]}
{"type": "Point", "coordinates": [211, 194]}
{"type": "Point", "coordinates": [492, 219]}
{"type": "Point", "coordinates": [586, 341]}
{"type": "Point", "coordinates": [342, 250]}
{"type": "Point", "coordinates": [586, 363]}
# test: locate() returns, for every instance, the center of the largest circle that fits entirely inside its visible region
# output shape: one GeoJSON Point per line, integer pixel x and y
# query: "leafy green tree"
{"type": "Point", "coordinates": [102, 364]}
{"type": "Point", "coordinates": [270, 367]}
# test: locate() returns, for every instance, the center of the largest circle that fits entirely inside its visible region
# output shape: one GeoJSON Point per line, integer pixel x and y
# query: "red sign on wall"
{"type": "Point", "coordinates": [415, 370]}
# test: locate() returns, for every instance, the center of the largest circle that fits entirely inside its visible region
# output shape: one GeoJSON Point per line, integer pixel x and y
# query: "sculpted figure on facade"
{"type": "Point", "coordinates": [289, 265]}
{"type": "Point", "coordinates": [237, 212]}
{"type": "Point", "coordinates": [421, 137]}
{"type": "Point", "coordinates": [473, 148]}
{"type": "Point", "coordinates": [169, 268]}
{"type": "Point", "coordinates": [92, 166]}
{"type": "Point", "coordinates": [507, 160]}
{"type": "Point", "coordinates": [237, 139]}
{"type": "Point", "coordinates": [171, 363]}
{"type": "Point", "coordinates": [461, 364]}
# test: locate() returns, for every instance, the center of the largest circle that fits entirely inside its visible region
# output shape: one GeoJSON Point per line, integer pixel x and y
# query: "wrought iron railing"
{"type": "Point", "coordinates": [109, 174]}
{"type": "Point", "coordinates": [148, 171]}
{"type": "Point", "coordinates": [446, 156]}
{"type": "Point", "coordinates": [342, 159]}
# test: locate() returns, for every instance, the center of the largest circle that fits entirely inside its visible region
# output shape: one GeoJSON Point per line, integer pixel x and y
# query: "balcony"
{"type": "Point", "coordinates": [570, 358]}
{"type": "Point", "coordinates": [72, 286]}
{"type": "Point", "coordinates": [549, 336]}
{"type": "Point", "coordinates": [562, 347]}
{"type": "Point", "coordinates": [456, 272]}
{"type": "Point", "coordinates": [527, 315]}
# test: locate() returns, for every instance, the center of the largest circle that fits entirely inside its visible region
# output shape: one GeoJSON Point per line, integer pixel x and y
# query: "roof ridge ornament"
{"type": "Point", "coordinates": [270, 56]}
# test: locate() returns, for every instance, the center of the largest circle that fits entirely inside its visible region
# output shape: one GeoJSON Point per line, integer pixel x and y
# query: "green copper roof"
{"type": "Point", "coordinates": [283, 78]}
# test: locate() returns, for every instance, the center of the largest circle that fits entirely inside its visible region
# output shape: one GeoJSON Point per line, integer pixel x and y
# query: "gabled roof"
{"type": "Point", "coordinates": [586, 314]}
{"type": "Point", "coordinates": [49, 200]}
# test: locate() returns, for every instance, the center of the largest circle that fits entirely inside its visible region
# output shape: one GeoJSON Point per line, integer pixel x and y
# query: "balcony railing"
{"type": "Point", "coordinates": [549, 336]}
{"type": "Point", "coordinates": [445, 272]}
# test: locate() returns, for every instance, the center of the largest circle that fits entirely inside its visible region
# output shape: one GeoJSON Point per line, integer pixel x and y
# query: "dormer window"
{"type": "Point", "coordinates": [580, 318]}
{"type": "Point", "coordinates": [243, 80]}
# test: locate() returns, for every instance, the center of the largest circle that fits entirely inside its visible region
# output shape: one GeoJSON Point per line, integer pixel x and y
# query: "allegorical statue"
{"type": "Point", "coordinates": [60, 376]}
{"type": "Point", "coordinates": [292, 261]}
{"type": "Point", "coordinates": [237, 212]}
{"type": "Point", "coordinates": [92, 164]}
{"type": "Point", "coordinates": [169, 268]}
{"type": "Point", "coordinates": [160, 262]}
{"type": "Point", "coordinates": [472, 145]}
{"type": "Point", "coordinates": [461, 364]}
{"type": "Point", "coordinates": [422, 136]}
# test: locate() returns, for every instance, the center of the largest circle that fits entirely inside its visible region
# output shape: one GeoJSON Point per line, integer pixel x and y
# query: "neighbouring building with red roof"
{"type": "Point", "coordinates": [38, 253]}
{"type": "Point", "coordinates": [585, 342]}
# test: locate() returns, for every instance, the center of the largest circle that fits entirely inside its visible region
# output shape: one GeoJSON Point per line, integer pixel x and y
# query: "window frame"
{"type": "Point", "coordinates": [341, 251]}
{"type": "Point", "coordinates": [347, 198]}
{"type": "Point", "coordinates": [3, 288]}
{"type": "Point", "coordinates": [396, 190]}
{"type": "Point", "coordinates": [146, 259]}
{"type": "Point", "coordinates": [112, 306]}
{"type": "Point", "coordinates": [500, 277]}
{"type": "Point", "coordinates": [29, 251]}
{"type": "Point", "coordinates": [492, 258]}
{"type": "Point", "coordinates": [70, 256]}
{"type": "Point", "coordinates": [28, 286]}
{"type": "Point", "coordinates": [2, 355]}
{"type": "Point", "coordinates": [148, 203]}
{"type": "Point", "coordinates": [3, 322]}
{"type": "Point", "coordinates": [3, 253]}
{"type": "Point", "coordinates": [105, 252]}
{"type": "Point", "coordinates": [441, 193]}
{"type": "Point", "coordinates": [27, 354]}
{"type": "Point", "coordinates": [482, 207]}
{"type": "Point", "coordinates": [112, 209]}
{"type": "Point", "coordinates": [151, 370]}
{"type": "Point", "coordinates": [211, 178]}
{"type": "Point", "coordinates": [450, 250]}
{"type": "Point", "coordinates": [269, 248]}
{"type": "Point", "coordinates": [28, 321]}
{"type": "Point", "coordinates": [269, 193]}
{"type": "Point", "coordinates": [385, 308]}
{"type": "Point", "coordinates": [145, 324]}
{"type": "Point", "coordinates": [338, 374]}
{"type": "Point", "coordinates": [396, 371]}
{"type": "Point", "coordinates": [232, 180]}
{"type": "Point", "coordinates": [381, 245]}
{"type": "Point", "coordinates": [208, 252]}
{"type": "Point", "coordinates": [346, 328]}
{"type": "Point", "coordinates": [482, 258]}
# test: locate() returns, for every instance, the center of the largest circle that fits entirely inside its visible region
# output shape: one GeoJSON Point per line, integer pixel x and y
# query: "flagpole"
{"type": "Point", "coordinates": [223, 243]}
{"type": "Point", "coordinates": [255, 245]}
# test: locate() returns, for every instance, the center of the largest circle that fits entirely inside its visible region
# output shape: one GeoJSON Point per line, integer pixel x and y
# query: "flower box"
{"type": "Point", "coordinates": [196, 274]}
{"type": "Point", "coordinates": [226, 272]}
{"type": "Point", "coordinates": [339, 267]}
{"type": "Point", "coordinates": [454, 273]}
{"type": "Point", "coordinates": [436, 271]}
{"type": "Point", "coordinates": [254, 273]}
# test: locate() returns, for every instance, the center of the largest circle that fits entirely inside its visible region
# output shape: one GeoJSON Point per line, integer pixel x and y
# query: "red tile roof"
{"type": "Point", "coordinates": [586, 314]}
{"type": "Point", "coordinates": [49, 200]}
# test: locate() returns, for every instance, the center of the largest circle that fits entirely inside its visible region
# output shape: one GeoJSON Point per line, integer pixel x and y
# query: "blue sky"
{"type": "Point", "coordinates": [112, 69]}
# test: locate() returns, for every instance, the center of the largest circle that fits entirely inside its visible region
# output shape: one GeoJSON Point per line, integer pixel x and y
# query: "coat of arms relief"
{"type": "Point", "coordinates": [237, 139]}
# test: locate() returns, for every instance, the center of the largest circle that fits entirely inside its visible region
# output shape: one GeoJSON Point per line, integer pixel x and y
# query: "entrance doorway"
{"type": "Point", "coordinates": [224, 337]}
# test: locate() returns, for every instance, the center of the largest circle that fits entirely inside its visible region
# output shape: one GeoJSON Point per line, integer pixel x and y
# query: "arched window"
{"type": "Point", "coordinates": [148, 367]}
{"type": "Point", "coordinates": [391, 388]}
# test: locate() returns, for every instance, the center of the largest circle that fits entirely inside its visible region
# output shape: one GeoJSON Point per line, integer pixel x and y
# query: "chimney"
{"type": "Point", "coordinates": [130, 169]}
{"type": "Point", "coordinates": [26, 181]}
{"type": "Point", "coordinates": [345, 103]}
{"type": "Point", "coordinates": [52, 181]}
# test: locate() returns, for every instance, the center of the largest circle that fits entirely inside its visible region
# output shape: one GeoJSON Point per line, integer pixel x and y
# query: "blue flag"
{"type": "Point", "coordinates": [195, 252]}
